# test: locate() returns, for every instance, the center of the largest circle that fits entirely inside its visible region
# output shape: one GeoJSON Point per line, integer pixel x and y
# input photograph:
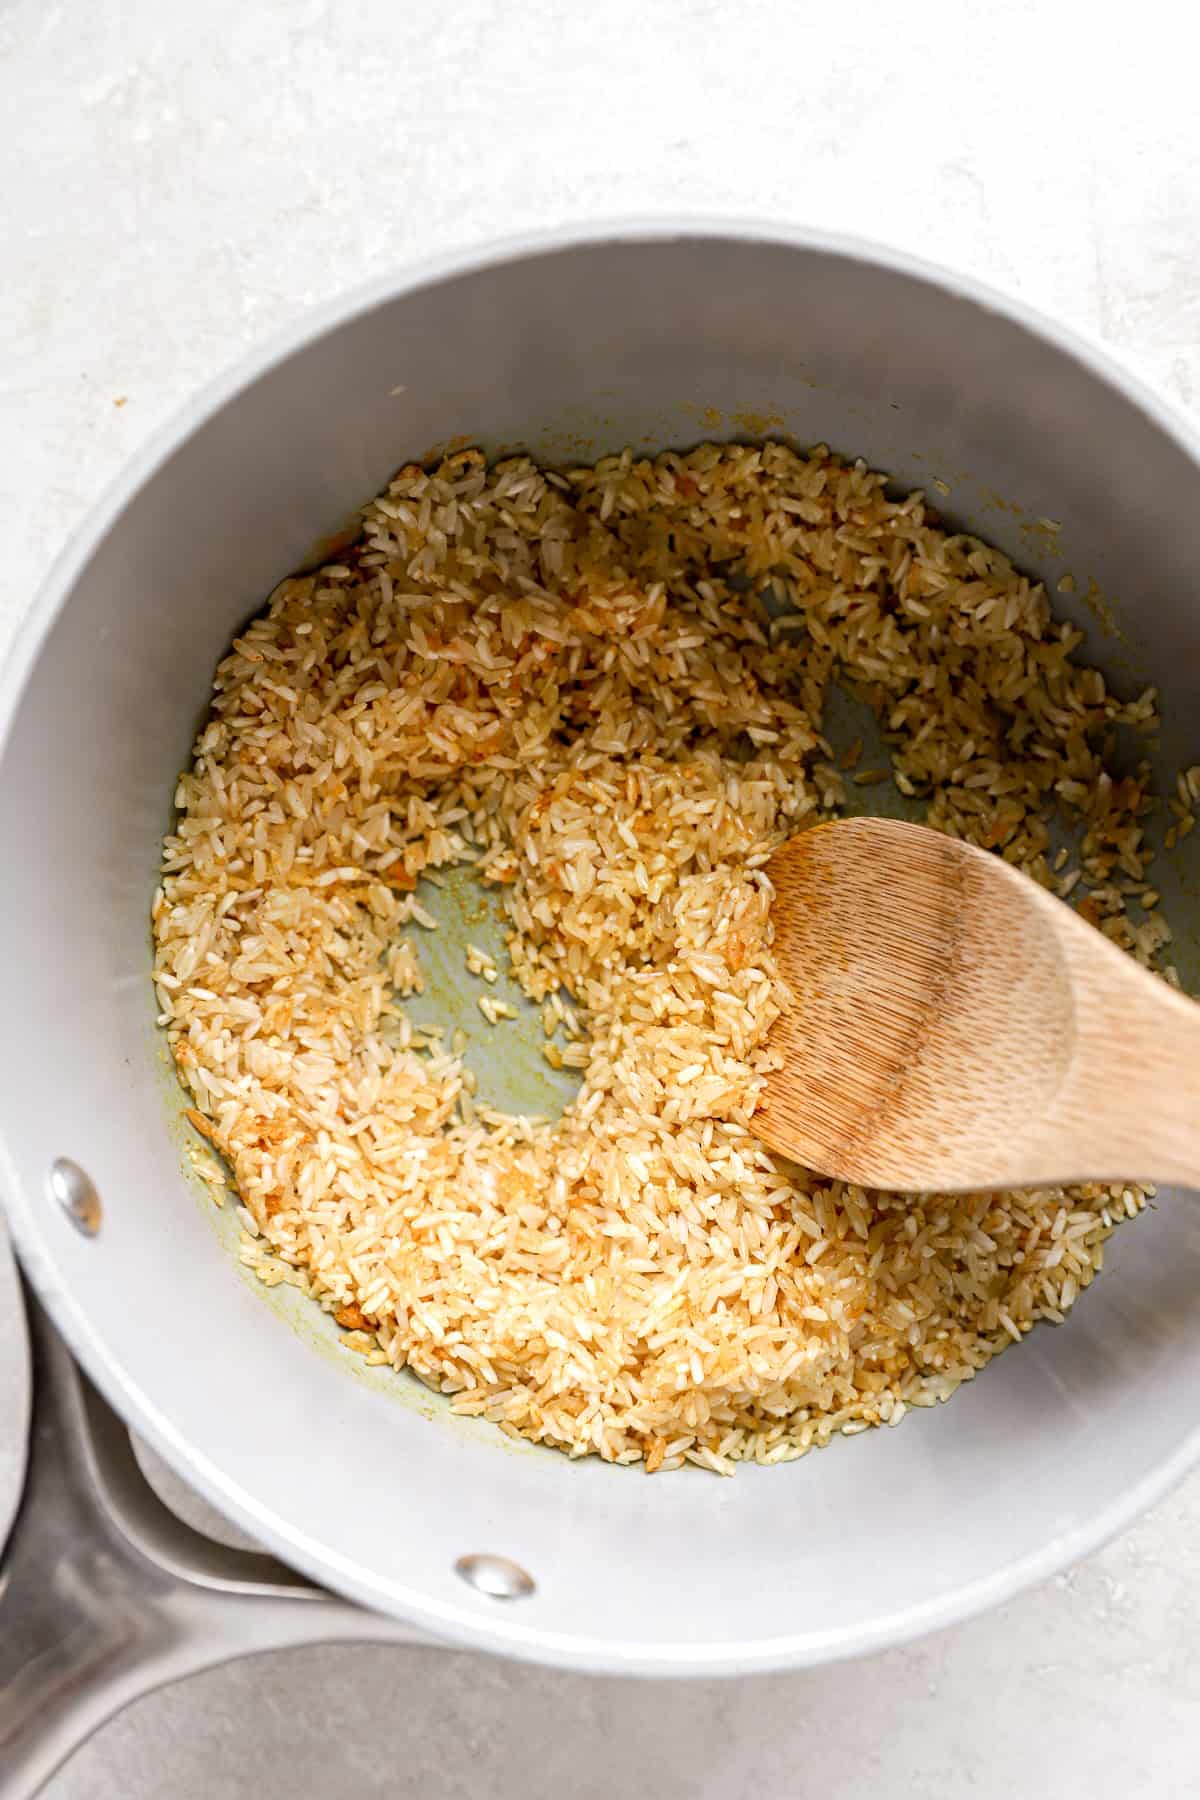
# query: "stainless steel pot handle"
{"type": "Point", "coordinates": [106, 1595]}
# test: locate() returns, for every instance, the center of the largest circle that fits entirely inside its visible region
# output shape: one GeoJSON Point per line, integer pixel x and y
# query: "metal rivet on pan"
{"type": "Point", "coordinates": [496, 1576]}
{"type": "Point", "coordinates": [76, 1194]}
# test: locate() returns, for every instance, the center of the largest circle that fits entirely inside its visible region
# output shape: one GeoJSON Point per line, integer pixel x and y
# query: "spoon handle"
{"type": "Point", "coordinates": [1131, 1098]}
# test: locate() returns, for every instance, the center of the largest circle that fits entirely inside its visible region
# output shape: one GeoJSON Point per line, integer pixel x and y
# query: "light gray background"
{"type": "Point", "coordinates": [176, 180]}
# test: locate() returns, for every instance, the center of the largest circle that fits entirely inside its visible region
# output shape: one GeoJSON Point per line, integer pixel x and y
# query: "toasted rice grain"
{"type": "Point", "coordinates": [563, 680]}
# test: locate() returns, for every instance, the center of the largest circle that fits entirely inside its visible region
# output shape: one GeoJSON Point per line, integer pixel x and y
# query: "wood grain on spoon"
{"type": "Point", "coordinates": [955, 1026]}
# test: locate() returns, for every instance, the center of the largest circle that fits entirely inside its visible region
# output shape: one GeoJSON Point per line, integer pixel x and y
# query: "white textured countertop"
{"type": "Point", "coordinates": [181, 179]}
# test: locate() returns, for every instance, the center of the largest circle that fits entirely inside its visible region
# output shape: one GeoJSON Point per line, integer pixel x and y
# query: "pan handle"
{"type": "Point", "coordinates": [106, 1595]}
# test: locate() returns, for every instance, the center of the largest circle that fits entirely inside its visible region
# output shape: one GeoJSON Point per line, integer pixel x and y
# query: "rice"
{"type": "Point", "coordinates": [570, 682]}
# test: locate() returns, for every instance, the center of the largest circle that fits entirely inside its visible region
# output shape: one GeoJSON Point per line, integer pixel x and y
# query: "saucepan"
{"type": "Point", "coordinates": [378, 1513]}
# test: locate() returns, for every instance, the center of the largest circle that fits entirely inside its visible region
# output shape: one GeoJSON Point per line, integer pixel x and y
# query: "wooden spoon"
{"type": "Point", "coordinates": [955, 1026]}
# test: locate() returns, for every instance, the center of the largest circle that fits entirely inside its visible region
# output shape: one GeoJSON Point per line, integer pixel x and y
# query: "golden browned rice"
{"type": "Point", "coordinates": [569, 680]}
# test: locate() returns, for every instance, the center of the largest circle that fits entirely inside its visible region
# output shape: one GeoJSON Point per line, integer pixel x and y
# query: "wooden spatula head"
{"type": "Point", "coordinates": [932, 1022]}
{"type": "Point", "coordinates": [955, 1026]}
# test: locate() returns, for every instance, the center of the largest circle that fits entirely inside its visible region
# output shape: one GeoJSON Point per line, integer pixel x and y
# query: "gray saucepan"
{"type": "Point", "coordinates": [569, 346]}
